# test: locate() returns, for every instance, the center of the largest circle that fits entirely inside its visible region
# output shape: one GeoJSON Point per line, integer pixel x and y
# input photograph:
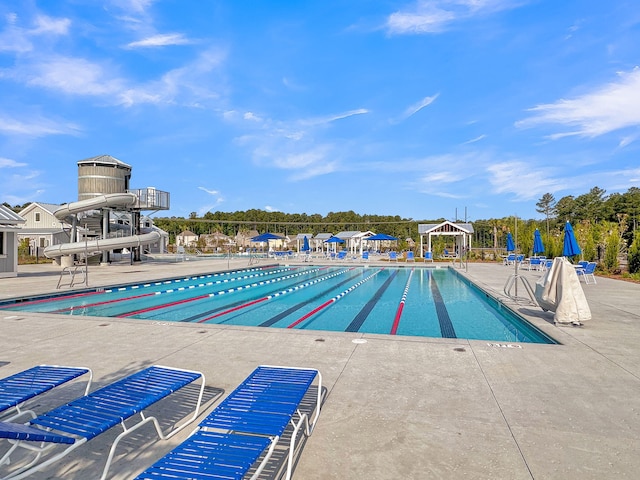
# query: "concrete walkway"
{"type": "Point", "coordinates": [397, 407]}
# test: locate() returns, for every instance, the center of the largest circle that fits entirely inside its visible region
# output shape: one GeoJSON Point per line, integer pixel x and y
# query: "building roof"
{"type": "Point", "coordinates": [350, 234]}
{"type": "Point", "coordinates": [49, 207]}
{"type": "Point", "coordinates": [446, 228]}
{"type": "Point", "coordinates": [323, 236]}
{"type": "Point", "coordinates": [105, 160]}
{"type": "Point", "coordinates": [9, 217]}
{"type": "Point", "coordinates": [301, 236]}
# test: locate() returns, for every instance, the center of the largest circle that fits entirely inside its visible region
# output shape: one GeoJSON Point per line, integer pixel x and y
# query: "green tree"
{"type": "Point", "coordinates": [547, 206]}
{"type": "Point", "coordinates": [565, 209]}
{"type": "Point", "coordinates": [590, 206]}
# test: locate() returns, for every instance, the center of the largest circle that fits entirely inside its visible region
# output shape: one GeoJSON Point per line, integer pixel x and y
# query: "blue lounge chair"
{"type": "Point", "coordinates": [393, 256]}
{"type": "Point", "coordinates": [365, 257]}
{"type": "Point", "coordinates": [587, 272]}
{"type": "Point", "coordinates": [342, 255]}
{"type": "Point", "coordinates": [447, 254]}
{"type": "Point", "coordinates": [83, 419]}
{"type": "Point", "coordinates": [428, 257]}
{"type": "Point", "coordinates": [509, 259]}
{"type": "Point", "coordinates": [246, 426]}
{"type": "Point", "coordinates": [22, 386]}
{"type": "Point", "coordinates": [410, 257]}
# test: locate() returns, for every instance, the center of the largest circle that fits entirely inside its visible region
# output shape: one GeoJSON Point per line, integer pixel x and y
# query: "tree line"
{"type": "Point", "coordinates": [606, 226]}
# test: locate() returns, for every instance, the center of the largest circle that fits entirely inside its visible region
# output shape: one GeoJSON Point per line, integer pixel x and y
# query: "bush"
{"type": "Point", "coordinates": [634, 254]}
{"type": "Point", "coordinates": [611, 252]}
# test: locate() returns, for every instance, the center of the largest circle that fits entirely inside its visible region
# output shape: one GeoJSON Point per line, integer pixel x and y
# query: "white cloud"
{"type": "Point", "coordinates": [332, 118]}
{"type": "Point", "coordinates": [607, 108]}
{"type": "Point", "coordinates": [474, 140]}
{"type": "Point", "coordinates": [416, 107]}
{"type": "Point", "coordinates": [48, 25]}
{"type": "Point", "coordinates": [210, 192]}
{"type": "Point", "coordinates": [520, 179]}
{"type": "Point", "coordinates": [269, 208]}
{"type": "Point", "coordinates": [160, 40]}
{"type": "Point", "coordinates": [74, 76]}
{"type": "Point", "coordinates": [251, 116]}
{"type": "Point", "coordinates": [434, 16]}
{"type": "Point", "coordinates": [36, 127]}
{"type": "Point", "coordinates": [188, 85]}
{"type": "Point", "coordinates": [19, 39]}
{"type": "Point", "coordinates": [439, 177]}
{"type": "Point", "coordinates": [8, 163]}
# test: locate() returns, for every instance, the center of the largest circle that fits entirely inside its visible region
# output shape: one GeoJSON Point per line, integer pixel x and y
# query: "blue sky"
{"type": "Point", "coordinates": [410, 108]}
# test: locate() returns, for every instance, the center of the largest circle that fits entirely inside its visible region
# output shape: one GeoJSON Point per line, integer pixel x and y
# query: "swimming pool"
{"type": "Point", "coordinates": [427, 302]}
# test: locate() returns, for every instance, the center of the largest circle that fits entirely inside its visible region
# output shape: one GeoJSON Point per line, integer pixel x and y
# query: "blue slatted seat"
{"type": "Point", "coordinates": [245, 427]}
{"type": "Point", "coordinates": [17, 431]}
{"type": "Point", "coordinates": [22, 386]}
{"type": "Point", "coordinates": [87, 417]}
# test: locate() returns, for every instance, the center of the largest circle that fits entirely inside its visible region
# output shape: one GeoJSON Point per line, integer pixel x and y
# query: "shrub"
{"type": "Point", "coordinates": [611, 252]}
{"type": "Point", "coordinates": [634, 254]}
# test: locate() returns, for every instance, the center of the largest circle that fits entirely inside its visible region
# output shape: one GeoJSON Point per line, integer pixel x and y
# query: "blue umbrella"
{"type": "Point", "coordinates": [570, 246]}
{"type": "Point", "coordinates": [334, 240]}
{"type": "Point", "coordinates": [305, 244]}
{"type": "Point", "coordinates": [381, 236]}
{"type": "Point", "coordinates": [538, 246]}
{"type": "Point", "coordinates": [265, 237]}
{"type": "Point", "coordinates": [510, 245]}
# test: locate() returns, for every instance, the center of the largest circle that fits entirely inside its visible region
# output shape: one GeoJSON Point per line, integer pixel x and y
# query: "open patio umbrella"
{"type": "Point", "coordinates": [265, 237]}
{"type": "Point", "coordinates": [538, 246]}
{"type": "Point", "coordinates": [334, 240]}
{"type": "Point", "coordinates": [570, 246]}
{"type": "Point", "coordinates": [381, 236]}
{"type": "Point", "coordinates": [510, 245]}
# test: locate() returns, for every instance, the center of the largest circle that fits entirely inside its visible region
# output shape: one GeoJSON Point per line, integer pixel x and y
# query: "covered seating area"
{"type": "Point", "coordinates": [461, 233]}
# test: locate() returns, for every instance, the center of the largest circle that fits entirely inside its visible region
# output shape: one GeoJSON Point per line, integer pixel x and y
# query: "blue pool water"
{"type": "Point", "coordinates": [398, 301]}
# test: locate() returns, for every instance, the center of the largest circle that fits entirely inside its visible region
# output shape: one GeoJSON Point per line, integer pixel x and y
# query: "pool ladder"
{"type": "Point", "coordinates": [512, 284]}
{"type": "Point", "coordinates": [73, 271]}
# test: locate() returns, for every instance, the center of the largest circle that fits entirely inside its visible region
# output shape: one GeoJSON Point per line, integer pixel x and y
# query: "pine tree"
{"type": "Point", "coordinates": [547, 205]}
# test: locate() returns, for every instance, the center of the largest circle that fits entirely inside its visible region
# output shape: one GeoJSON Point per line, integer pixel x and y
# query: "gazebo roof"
{"type": "Point", "coordinates": [445, 228]}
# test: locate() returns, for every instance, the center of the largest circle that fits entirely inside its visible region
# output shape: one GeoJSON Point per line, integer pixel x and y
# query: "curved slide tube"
{"type": "Point", "coordinates": [100, 245]}
{"type": "Point", "coordinates": [110, 200]}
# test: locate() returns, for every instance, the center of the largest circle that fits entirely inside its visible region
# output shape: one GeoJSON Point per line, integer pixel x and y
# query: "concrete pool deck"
{"type": "Point", "coordinates": [397, 407]}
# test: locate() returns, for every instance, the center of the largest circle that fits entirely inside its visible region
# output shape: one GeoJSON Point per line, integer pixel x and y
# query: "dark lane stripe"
{"type": "Point", "coordinates": [446, 327]}
{"type": "Point", "coordinates": [362, 315]}
{"type": "Point", "coordinates": [198, 316]}
{"type": "Point", "coordinates": [290, 310]}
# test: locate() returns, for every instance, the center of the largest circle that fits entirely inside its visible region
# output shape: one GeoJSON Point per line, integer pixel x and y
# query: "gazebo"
{"type": "Point", "coordinates": [461, 232]}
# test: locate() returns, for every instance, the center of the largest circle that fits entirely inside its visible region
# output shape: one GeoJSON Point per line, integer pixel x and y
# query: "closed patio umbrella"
{"type": "Point", "coordinates": [570, 246]}
{"type": "Point", "coordinates": [538, 246]}
{"type": "Point", "coordinates": [510, 245]}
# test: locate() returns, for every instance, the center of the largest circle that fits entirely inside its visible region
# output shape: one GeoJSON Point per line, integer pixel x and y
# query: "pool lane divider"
{"type": "Point", "coordinates": [274, 295]}
{"type": "Point", "coordinates": [362, 315]}
{"type": "Point", "coordinates": [298, 306]}
{"type": "Point", "coordinates": [209, 295]}
{"type": "Point", "coordinates": [151, 294]}
{"type": "Point", "coordinates": [446, 327]}
{"type": "Point", "coordinates": [396, 320]}
{"type": "Point", "coordinates": [332, 300]}
{"type": "Point", "coordinates": [48, 299]}
{"type": "Point", "coordinates": [185, 279]}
